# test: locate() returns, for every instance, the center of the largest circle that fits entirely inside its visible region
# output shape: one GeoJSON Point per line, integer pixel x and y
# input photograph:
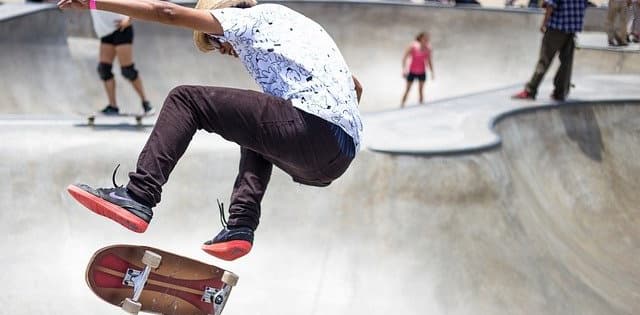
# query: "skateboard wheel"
{"type": "Point", "coordinates": [151, 259]}
{"type": "Point", "coordinates": [131, 306]}
{"type": "Point", "coordinates": [230, 278]}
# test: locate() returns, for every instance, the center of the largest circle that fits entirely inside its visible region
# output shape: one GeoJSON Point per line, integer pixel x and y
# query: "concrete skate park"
{"type": "Point", "coordinates": [469, 204]}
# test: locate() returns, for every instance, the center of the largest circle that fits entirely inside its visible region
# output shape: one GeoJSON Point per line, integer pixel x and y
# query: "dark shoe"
{"type": "Point", "coordinates": [231, 243]}
{"type": "Point", "coordinates": [557, 97]}
{"type": "Point", "coordinates": [618, 43]}
{"type": "Point", "coordinates": [146, 106]}
{"type": "Point", "coordinates": [114, 203]}
{"type": "Point", "coordinates": [523, 95]}
{"type": "Point", "coordinates": [110, 110]}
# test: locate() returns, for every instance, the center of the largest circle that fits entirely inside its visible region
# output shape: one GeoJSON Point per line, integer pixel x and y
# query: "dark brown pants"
{"type": "Point", "coordinates": [269, 130]}
{"type": "Point", "coordinates": [563, 44]}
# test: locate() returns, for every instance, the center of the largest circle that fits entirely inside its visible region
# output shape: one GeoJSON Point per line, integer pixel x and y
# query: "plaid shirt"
{"type": "Point", "coordinates": [567, 15]}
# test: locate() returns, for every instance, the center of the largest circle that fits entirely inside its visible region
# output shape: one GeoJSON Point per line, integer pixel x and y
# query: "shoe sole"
{"type": "Point", "coordinates": [107, 209]}
{"type": "Point", "coordinates": [231, 250]}
{"type": "Point", "coordinates": [515, 97]}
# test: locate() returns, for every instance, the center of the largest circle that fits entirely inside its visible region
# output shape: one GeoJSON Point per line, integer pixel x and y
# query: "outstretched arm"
{"type": "Point", "coordinates": [155, 11]}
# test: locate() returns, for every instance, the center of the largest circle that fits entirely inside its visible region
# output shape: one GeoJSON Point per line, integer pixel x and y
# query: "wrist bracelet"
{"type": "Point", "coordinates": [92, 4]}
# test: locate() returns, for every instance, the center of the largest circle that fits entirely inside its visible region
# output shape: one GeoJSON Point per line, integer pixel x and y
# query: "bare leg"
{"type": "Point", "coordinates": [406, 92]}
{"type": "Point", "coordinates": [107, 55]}
{"type": "Point", "coordinates": [125, 58]}
{"type": "Point", "coordinates": [421, 90]}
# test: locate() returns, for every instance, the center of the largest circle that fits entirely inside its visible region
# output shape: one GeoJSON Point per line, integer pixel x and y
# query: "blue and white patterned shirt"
{"type": "Point", "coordinates": [293, 57]}
{"type": "Point", "coordinates": [567, 15]}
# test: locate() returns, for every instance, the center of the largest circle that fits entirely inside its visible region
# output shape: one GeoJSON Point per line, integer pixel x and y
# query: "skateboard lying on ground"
{"type": "Point", "coordinates": [141, 278]}
{"type": "Point", "coordinates": [91, 117]}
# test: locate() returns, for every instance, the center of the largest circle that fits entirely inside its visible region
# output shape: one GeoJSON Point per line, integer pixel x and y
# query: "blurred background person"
{"type": "Point", "coordinates": [617, 21]}
{"type": "Point", "coordinates": [562, 20]}
{"type": "Point", "coordinates": [634, 34]}
{"type": "Point", "coordinates": [417, 59]}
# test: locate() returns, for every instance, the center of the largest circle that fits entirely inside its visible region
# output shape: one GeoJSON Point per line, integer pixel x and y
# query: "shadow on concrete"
{"type": "Point", "coordinates": [581, 126]}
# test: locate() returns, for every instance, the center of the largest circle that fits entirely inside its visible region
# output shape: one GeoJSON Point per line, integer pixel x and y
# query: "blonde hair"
{"type": "Point", "coordinates": [201, 39]}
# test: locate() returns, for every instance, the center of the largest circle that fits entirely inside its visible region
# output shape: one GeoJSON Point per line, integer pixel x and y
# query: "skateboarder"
{"type": "Point", "coordinates": [306, 121]}
{"type": "Point", "coordinates": [562, 20]}
{"type": "Point", "coordinates": [116, 39]}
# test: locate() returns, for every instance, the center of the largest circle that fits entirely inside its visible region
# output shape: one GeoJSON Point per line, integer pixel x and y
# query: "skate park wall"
{"type": "Point", "coordinates": [475, 49]}
{"type": "Point", "coordinates": [545, 224]}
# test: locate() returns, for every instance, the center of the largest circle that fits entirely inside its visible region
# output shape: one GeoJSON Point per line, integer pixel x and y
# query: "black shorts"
{"type": "Point", "coordinates": [119, 37]}
{"type": "Point", "coordinates": [413, 76]}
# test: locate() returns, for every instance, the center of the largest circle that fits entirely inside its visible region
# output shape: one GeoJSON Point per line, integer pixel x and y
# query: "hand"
{"type": "Point", "coordinates": [358, 91]}
{"type": "Point", "coordinates": [358, 88]}
{"type": "Point", "coordinates": [543, 28]}
{"type": "Point", "coordinates": [124, 23]}
{"type": "Point", "coordinates": [73, 4]}
{"type": "Point", "coordinates": [227, 49]}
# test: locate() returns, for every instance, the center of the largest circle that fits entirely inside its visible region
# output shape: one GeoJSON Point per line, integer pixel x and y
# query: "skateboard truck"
{"type": "Point", "coordinates": [217, 297]}
{"type": "Point", "coordinates": [137, 279]}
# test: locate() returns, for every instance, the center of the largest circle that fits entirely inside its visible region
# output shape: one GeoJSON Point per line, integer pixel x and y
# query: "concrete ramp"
{"type": "Point", "coordinates": [546, 224]}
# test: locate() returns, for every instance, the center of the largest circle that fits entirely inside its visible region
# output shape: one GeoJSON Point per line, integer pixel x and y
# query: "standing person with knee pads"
{"type": "Point", "coordinates": [116, 38]}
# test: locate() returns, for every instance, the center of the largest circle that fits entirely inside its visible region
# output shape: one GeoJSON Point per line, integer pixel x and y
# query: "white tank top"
{"type": "Point", "coordinates": [104, 22]}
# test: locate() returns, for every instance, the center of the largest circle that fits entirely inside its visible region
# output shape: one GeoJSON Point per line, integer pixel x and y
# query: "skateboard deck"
{"type": "Point", "coordinates": [146, 279]}
{"type": "Point", "coordinates": [91, 117]}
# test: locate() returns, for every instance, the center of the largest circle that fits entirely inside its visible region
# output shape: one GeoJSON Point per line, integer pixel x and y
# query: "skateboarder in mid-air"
{"type": "Point", "coordinates": [305, 122]}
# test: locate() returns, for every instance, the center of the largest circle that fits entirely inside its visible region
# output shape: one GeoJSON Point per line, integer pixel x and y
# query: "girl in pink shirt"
{"type": "Point", "coordinates": [420, 53]}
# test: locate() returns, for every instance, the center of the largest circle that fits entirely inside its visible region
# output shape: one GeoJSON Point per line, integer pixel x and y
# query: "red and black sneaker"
{"type": "Point", "coordinates": [115, 204]}
{"type": "Point", "coordinates": [524, 95]}
{"type": "Point", "coordinates": [231, 243]}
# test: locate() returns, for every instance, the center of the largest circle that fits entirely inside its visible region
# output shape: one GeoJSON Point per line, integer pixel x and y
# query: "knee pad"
{"type": "Point", "coordinates": [104, 70]}
{"type": "Point", "coordinates": [129, 72]}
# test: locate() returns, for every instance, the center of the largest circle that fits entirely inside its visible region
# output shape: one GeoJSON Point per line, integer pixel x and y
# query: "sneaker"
{"type": "Point", "coordinates": [114, 203]}
{"type": "Point", "coordinates": [618, 43]}
{"type": "Point", "coordinates": [110, 110]}
{"type": "Point", "coordinates": [557, 97]}
{"type": "Point", "coordinates": [523, 95]}
{"type": "Point", "coordinates": [146, 106]}
{"type": "Point", "coordinates": [232, 242]}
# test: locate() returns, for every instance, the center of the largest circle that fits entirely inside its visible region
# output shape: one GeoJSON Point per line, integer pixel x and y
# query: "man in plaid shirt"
{"type": "Point", "coordinates": [562, 19]}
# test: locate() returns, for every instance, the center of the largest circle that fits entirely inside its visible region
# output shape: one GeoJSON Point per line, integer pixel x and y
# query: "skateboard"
{"type": "Point", "coordinates": [91, 117]}
{"type": "Point", "coordinates": [146, 279]}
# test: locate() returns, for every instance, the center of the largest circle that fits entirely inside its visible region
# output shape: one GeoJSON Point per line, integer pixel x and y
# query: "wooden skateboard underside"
{"type": "Point", "coordinates": [178, 286]}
